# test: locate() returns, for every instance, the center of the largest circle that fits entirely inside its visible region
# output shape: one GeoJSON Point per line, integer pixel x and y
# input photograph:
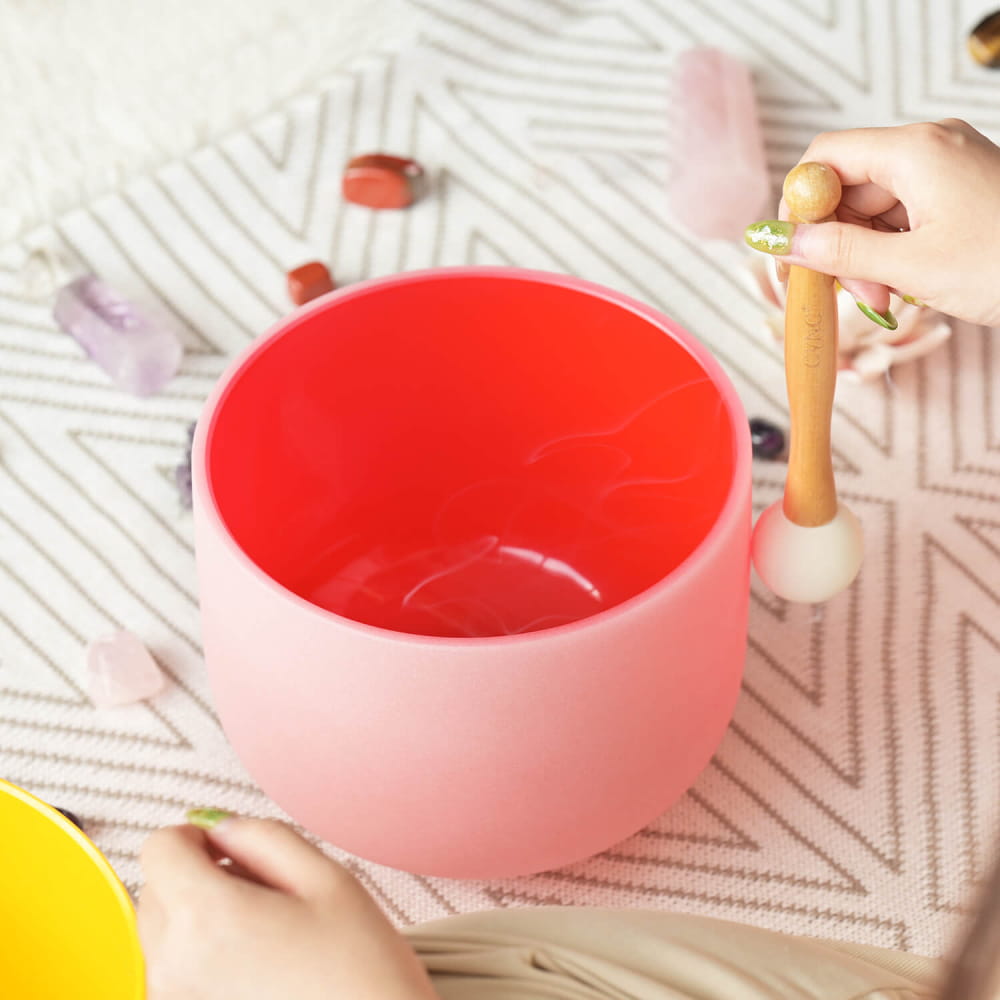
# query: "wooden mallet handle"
{"type": "Point", "coordinates": [809, 547]}
{"type": "Point", "coordinates": [812, 193]}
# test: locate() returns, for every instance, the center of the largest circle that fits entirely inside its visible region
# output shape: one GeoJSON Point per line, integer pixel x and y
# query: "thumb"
{"type": "Point", "coordinates": [850, 251]}
{"type": "Point", "coordinates": [275, 855]}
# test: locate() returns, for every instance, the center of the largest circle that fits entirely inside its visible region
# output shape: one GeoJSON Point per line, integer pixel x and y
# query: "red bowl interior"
{"type": "Point", "coordinates": [470, 455]}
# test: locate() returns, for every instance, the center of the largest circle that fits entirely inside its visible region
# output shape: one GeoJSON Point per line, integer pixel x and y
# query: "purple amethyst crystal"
{"type": "Point", "coordinates": [767, 439]}
{"type": "Point", "coordinates": [182, 477]}
{"type": "Point", "coordinates": [182, 473]}
{"type": "Point", "coordinates": [134, 346]}
{"type": "Point", "coordinates": [72, 817]}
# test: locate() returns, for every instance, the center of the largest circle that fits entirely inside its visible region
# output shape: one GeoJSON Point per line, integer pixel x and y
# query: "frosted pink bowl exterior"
{"type": "Point", "coordinates": [484, 757]}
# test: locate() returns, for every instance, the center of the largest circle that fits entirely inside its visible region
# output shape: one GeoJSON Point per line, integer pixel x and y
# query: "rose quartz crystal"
{"type": "Point", "coordinates": [719, 183]}
{"type": "Point", "coordinates": [120, 670]}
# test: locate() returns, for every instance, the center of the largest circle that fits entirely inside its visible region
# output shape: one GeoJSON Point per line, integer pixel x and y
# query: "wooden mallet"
{"type": "Point", "coordinates": [808, 547]}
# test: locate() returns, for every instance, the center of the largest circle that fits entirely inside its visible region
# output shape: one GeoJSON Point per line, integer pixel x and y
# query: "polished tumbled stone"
{"type": "Point", "coordinates": [984, 41]}
{"type": "Point", "coordinates": [308, 282]}
{"type": "Point", "coordinates": [379, 180]}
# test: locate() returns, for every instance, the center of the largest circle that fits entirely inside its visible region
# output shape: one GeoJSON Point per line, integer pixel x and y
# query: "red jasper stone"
{"type": "Point", "coordinates": [378, 180]}
{"type": "Point", "coordinates": [308, 282]}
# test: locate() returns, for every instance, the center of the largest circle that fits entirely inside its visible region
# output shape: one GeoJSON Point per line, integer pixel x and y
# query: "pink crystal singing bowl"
{"type": "Point", "coordinates": [473, 548]}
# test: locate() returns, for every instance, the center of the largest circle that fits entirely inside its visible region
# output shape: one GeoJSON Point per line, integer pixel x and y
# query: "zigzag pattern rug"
{"type": "Point", "coordinates": [856, 793]}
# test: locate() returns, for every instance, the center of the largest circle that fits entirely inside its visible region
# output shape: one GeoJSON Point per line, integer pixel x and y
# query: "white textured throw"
{"type": "Point", "coordinates": [92, 91]}
{"type": "Point", "coordinates": [856, 794]}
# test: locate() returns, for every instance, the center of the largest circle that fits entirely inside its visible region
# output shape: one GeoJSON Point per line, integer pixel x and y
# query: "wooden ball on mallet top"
{"type": "Point", "coordinates": [808, 547]}
{"type": "Point", "coordinates": [812, 192]}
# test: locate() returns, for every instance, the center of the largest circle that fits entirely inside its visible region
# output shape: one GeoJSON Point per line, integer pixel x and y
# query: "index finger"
{"type": "Point", "coordinates": [863, 155]}
{"type": "Point", "coordinates": [866, 201]}
{"type": "Point", "coordinates": [177, 857]}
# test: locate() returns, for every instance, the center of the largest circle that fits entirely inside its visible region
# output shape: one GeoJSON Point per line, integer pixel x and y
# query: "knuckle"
{"type": "Point", "coordinates": [930, 132]}
{"type": "Point", "coordinates": [334, 881]}
{"type": "Point", "coordinates": [841, 249]}
{"type": "Point", "coordinates": [819, 142]}
{"type": "Point", "coordinates": [959, 125]}
{"type": "Point", "coordinates": [941, 136]}
{"type": "Point", "coordinates": [342, 874]}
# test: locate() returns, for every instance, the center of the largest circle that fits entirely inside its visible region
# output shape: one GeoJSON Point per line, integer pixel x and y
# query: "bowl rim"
{"type": "Point", "coordinates": [94, 855]}
{"type": "Point", "coordinates": [732, 509]}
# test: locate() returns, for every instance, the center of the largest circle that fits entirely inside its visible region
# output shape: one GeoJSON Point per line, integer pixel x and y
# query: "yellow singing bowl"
{"type": "Point", "coordinates": [67, 926]}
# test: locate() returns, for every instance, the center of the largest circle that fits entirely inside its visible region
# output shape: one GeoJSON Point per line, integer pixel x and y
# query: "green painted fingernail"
{"type": "Point", "coordinates": [913, 301]}
{"type": "Point", "coordinates": [206, 819]}
{"type": "Point", "coordinates": [770, 236]}
{"type": "Point", "coordinates": [885, 320]}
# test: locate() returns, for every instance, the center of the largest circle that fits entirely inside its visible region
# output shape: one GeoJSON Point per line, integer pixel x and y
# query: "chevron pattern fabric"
{"type": "Point", "coordinates": [857, 793]}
